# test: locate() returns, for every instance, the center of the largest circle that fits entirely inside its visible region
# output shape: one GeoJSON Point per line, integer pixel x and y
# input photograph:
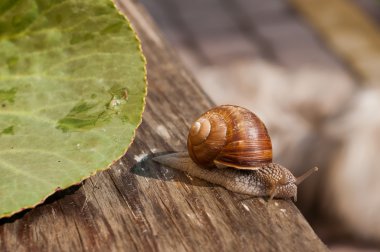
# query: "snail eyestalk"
{"type": "Point", "coordinates": [304, 176]}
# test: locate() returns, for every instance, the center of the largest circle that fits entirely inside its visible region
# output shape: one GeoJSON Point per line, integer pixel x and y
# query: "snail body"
{"type": "Point", "coordinates": [230, 146]}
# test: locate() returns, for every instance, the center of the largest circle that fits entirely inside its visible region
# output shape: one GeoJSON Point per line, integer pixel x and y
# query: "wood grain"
{"type": "Point", "coordinates": [139, 206]}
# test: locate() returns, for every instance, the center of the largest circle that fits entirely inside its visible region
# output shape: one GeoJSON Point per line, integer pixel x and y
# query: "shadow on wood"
{"type": "Point", "coordinates": [150, 169]}
{"type": "Point", "coordinates": [51, 199]}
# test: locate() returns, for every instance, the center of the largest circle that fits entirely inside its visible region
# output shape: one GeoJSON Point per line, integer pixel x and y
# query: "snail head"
{"type": "Point", "coordinates": [286, 184]}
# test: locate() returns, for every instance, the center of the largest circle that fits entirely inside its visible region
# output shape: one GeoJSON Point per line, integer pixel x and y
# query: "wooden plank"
{"type": "Point", "coordinates": [139, 206]}
{"type": "Point", "coordinates": [284, 80]}
{"type": "Point", "coordinates": [292, 42]}
{"type": "Point", "coordinates": [214, 32]}
{"type": "Point", "coordinates": [351, 33]}
{"type": "Point", "coordinates": [176, 30]}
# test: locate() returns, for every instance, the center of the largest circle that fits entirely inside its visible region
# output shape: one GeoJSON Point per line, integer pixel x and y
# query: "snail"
{"type": "Point", "coordinates": [230, 146]}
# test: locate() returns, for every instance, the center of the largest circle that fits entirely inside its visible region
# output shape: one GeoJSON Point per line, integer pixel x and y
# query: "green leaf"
{"type": "Point", "coordinates": [72, 93]}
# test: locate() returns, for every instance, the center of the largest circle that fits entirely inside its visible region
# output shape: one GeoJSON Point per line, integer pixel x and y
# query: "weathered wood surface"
{"type": "Point", "coordinates": [312, 76]}
{"type": "Point", "coordinates": [139, 206]}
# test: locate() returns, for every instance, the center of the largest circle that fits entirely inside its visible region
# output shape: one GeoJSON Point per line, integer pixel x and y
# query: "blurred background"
{"type": "Point", "coordinates": [311, 70]}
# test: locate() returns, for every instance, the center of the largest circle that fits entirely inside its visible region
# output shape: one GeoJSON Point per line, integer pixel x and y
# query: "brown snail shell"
{"type": "Point", "coordinates": [229, 136]}
{"type": "Point", "coordinates": [232, 136]}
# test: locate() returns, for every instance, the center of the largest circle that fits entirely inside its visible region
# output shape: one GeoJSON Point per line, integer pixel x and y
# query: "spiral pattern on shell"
{"type": "Point", "coordinates": [229, 136]}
